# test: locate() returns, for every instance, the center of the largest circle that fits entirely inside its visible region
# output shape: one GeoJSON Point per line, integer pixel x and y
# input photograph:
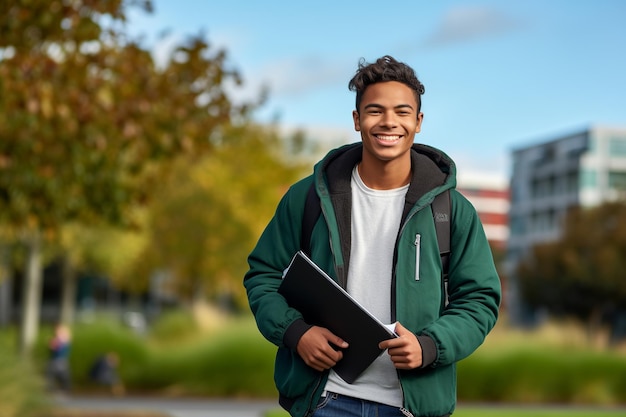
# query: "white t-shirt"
{"type": "Point", "coordinates": [376, 216]}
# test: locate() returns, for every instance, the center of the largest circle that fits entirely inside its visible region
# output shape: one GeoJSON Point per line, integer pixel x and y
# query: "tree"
{"type": "Point", "coordinates": [88, 122]}
{"type": "Point", "coordinates": [207, 218]}
{"type": "Point", "coordinates": [580, 274]}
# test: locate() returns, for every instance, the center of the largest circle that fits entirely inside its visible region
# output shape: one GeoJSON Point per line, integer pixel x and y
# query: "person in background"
{"type": "Point", "coordinates": [376, 237]}
{"type": "Point", "coordinates": [104, 371]}
{"type": "Point", "coordinates": [58, 365]}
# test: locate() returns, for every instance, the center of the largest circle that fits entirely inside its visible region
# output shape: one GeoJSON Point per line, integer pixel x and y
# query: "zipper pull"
{"type": "Point", "coordinates": [418, 240]}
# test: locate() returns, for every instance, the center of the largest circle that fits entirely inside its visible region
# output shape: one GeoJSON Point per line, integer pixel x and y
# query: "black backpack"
{"type": "Point", "coordinates": [441, 217]}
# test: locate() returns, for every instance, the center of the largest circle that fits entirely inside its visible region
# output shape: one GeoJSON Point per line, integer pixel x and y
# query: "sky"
{"type": "Point", "coordinates": [498, 75]}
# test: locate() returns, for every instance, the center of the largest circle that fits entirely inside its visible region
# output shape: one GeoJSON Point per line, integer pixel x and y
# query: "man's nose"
{"type": "Point", "coordinates": [389, 119]}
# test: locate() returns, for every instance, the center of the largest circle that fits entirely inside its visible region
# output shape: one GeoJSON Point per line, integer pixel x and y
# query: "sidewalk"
{"type": "Point", "coordinates": [174, 407]}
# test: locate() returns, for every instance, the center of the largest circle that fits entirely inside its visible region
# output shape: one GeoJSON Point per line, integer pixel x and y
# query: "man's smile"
{"type": "Point", "coordinates": [388, 138]}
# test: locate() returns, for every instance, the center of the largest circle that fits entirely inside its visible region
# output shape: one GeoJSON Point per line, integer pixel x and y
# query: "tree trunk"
{"type": "Point", "coordinates": [6, 279]}
{"type": "Point", "coordinates": [31, 301]}
{"type": "Point", "coordinates": [68, 292]}
{"type": "Point", "coordinates": [594, 327]}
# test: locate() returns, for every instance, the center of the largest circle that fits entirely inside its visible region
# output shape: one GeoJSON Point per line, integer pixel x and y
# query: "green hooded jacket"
{"type": "Point", "coordinates": [447, 333]}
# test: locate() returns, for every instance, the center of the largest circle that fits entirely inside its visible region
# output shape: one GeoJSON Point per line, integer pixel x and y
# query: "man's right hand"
{"type": "Point", "coordinates": [316, 348]}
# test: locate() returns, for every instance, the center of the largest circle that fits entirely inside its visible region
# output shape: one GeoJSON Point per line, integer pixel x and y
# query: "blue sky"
{"type": "Point", "coordinates": [498, 75]}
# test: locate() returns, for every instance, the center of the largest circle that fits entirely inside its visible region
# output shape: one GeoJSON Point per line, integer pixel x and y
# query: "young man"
{"type": "Point", "coordinates": [376, 237]}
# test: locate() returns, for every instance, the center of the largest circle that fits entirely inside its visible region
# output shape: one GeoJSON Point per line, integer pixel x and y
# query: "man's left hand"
{"type": "Point", "coordinates": [405, 351]}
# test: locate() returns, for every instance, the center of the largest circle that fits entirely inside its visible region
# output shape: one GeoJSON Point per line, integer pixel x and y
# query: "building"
{"type": "Point", "coordinates": [584, 168]}
{"type": "Point", "coordinates": [489, 194]}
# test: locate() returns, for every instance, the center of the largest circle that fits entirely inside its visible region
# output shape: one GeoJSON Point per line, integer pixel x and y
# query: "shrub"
{"type": "Point", "coordinates": [543, 374]}
{"type": "Point", "coordinates": [174, 327]}
{"type": "Point", "coordinates": [22, 388]}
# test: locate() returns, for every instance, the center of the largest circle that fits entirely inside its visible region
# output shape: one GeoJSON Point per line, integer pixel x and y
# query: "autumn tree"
{"type": "Point", "coordinates": [88, 122]}
{"type": "Point", "coordinates": [208, 216]}
{"type": "Point", "coordinates": [580, 274]}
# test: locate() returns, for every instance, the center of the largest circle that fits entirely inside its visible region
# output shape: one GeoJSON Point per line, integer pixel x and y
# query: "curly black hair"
{"type": "Point", "coordinates": [384, 69]}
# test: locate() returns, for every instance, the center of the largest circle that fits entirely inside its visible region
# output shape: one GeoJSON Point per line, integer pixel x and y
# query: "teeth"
{"type": "Point", "coordinates": [388, 138]}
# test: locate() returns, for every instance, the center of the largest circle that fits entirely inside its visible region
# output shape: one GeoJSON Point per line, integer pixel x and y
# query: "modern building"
{"type": "Point", "coordinates": [584, 168]}
{"type": "Point", "coordinates": [489, 194]}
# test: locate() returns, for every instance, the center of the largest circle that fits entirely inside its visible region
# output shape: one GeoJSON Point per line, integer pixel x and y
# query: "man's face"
{"type": "Point", "coordinates": [388, 120]}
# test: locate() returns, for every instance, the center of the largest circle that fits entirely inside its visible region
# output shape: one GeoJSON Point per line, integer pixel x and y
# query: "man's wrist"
{"type": "Point", "coordinates": [294, 333]}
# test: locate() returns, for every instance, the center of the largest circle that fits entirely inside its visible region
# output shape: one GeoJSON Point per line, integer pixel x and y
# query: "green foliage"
{"type": "Point", "coordinates": [90, 124]}
{"type": "Point", "coordinates": [581, 273]}
{"type": "Point", "coordinates": [87, 117]}
{"type": "Point", "coordinates": [92, 339]}
{"type": "Point", "coordinates": [544, 376]}
{"type": "Point", "coordinates": [507, 368]}
{"type": "Point", "coordinates": [22, 388]}
{"type": "Point", "coordinates": [208, 215]}
{"type": "Point", "coordinates": [174, 327]}
{"type": "Point", "coordinates": [232, 362]}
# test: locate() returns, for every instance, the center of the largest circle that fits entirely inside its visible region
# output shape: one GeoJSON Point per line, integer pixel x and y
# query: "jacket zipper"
{"type": "Point", "coordinates": [406, 412]}
{"type": "Point", "coordinates": [418, 241]}
{"type": "Point", "coordinates": [311, 408]}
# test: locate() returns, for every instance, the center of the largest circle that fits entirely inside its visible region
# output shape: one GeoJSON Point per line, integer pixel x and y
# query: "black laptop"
{"type": "Point", "coordinates": [322, 302]}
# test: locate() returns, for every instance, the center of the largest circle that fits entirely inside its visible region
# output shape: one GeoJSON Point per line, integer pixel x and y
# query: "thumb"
{"type": "Point", "coordinates": [400, 329]}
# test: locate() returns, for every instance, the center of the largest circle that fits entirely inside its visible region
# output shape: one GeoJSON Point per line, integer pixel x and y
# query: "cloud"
{"type": "Point", "coordinates": [465, 23]}
{"type": "Point", "coordinates": [302, 74]}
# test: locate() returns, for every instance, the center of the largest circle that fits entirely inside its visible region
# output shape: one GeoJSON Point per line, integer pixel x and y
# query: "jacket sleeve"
{"type": "Point", "coordinates": [280, 324]}
{"type": "Point", "coordinates": [474, 289]}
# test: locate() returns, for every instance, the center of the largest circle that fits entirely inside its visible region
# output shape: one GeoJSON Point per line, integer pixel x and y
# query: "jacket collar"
{"type": "Point", "coordinates": [432, 169]}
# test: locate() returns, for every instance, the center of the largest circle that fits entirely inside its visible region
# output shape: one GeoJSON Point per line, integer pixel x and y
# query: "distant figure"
{"type": "Point", "coordinates": [59, 366]}
{"type": "Point", "coordinates": [104, 372]}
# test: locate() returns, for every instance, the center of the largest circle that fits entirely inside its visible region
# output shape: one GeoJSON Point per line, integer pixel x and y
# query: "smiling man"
{"type": "Point", "coordinates": [376, 237]}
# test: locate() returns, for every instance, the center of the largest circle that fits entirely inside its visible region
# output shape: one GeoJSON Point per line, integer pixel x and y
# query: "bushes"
{"type": "Point", "coordinates": [544, 376]}
{"type": "Point", "coordinates": [92, 340]}
{"type": "Point", "coordinates": [22, 390]}
{"type": "Point", "coordinates": [236, 361]}
{"type": "Point", "coordinates": [232, 362]}
{"type": "Point", "coordinates": [555, 363]}
{"type": "Point", "coordinates": [179, 358]}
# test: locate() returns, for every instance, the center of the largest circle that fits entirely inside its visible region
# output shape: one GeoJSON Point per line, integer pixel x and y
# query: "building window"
{"type": "Point", "coordinates": [516, 224]}
{"type": "Point", "coordinates": [571, 182]}
{"type": "Point", "coordinates": [617, 180]}
{"type": "Point", "coordinates": [588, 178]}
{"type": "Point", "coordinates": [617, 147]}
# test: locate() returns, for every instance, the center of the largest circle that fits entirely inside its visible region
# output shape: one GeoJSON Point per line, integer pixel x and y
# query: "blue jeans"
{"type": "Point", "coordinates": [337, 405]}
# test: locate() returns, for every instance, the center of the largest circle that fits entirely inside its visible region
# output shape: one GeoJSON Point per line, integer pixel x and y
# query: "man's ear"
{"type": "Point", "coordinates": [420, 119]}
{"type": "Point", "coordinates": [357, 123]}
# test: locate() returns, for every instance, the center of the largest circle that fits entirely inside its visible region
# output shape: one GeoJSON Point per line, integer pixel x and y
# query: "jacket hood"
{"type": "Point", "coordinates": [432, 171]}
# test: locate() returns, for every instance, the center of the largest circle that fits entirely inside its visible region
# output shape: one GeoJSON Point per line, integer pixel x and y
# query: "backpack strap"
{"type": "Point", "coordinates": [312, 211]}
{"type": "Point", "coordinates": [441, 215]}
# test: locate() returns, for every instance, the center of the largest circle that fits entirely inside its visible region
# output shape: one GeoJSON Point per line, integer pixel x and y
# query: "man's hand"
{"type": "Point", "coordinates": [315, 348]}
{"type": "Point", "coordinates": [405, 351]}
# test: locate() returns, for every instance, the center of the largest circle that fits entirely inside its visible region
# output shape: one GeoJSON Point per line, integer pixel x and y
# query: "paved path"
{"type": "Point", "coordinates": [174, 407]}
